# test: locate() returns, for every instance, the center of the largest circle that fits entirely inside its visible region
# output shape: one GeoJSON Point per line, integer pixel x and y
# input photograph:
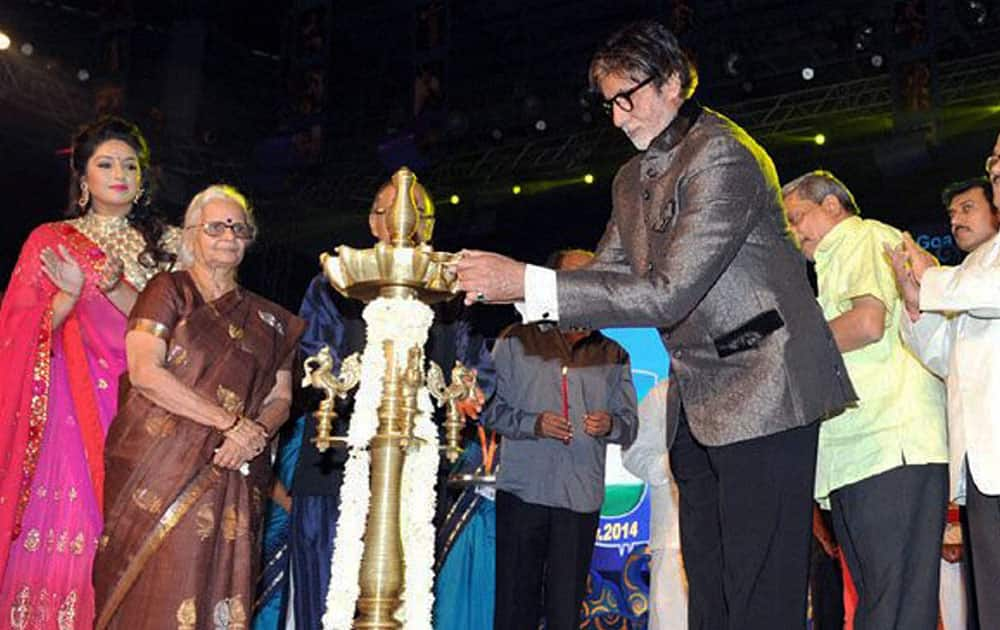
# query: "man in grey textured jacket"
{"type": "Point", "coordinates": [697, 246]}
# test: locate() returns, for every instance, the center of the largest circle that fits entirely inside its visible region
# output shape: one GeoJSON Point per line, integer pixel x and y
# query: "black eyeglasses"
{"type": "Point", "coordinates": [623, 99]}
{"type": "Point", "coordinates": [215, 229]}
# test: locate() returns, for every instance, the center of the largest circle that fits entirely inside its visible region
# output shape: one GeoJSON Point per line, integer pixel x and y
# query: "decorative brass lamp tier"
{"type": "Point", "coordinates": [407, 265]}
{"type": "Point", "coordinates": [365, 274]}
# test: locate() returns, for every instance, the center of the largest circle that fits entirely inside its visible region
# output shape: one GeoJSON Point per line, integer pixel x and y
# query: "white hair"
{"type": "Point", "coordinates": [192, 216]}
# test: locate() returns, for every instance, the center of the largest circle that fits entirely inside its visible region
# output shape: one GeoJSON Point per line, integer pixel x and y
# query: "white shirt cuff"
{"type": "Point", "coordinates": [933, 286]}
{"type": "Point", "coordinates": [541, 301]}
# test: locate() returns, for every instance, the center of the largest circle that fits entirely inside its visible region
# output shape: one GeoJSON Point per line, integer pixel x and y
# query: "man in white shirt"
{"type": "Point", "coordinates": [648, 459]}
{"type": "Point", "coordinates": [952, 322]}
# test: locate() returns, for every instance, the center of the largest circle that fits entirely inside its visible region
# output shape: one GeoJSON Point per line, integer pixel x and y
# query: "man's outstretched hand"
{"type": "Point", "coordinates": [489, 277]}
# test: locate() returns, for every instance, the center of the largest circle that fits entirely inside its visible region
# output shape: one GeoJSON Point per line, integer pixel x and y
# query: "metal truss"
{"type": "Point", "coordinates": [25, 85]}
{"type": "Point", "coordinates": [797, 112]}
{"type": "Point", "coordinates": [970, 81]}
{"type": "Point", "coordinates": [961, 82]}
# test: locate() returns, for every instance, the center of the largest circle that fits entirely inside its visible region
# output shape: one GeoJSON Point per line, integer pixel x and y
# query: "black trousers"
{"type": "Point", "coordinates": [968, 570]}
{"type": "Point", "coordinates": [543, 555]}
{"type": "Point", "coordinates": [983, 513]}
{"type": "Point", "coordinates": [746, 528]}
{"type": "Point", "coordinates": [826, 584]}
{"type": "Point", "coordinates": [889, 528]}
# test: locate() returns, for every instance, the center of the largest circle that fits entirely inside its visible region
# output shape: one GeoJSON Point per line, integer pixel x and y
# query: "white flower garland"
{"type": "Point", "coordinates": [405, 322]}
{"type": "Point", "coordinates": [419, 497]}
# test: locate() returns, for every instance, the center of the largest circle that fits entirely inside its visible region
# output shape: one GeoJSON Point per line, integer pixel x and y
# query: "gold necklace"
{"type": "Point", "coordinates": [117, 239]}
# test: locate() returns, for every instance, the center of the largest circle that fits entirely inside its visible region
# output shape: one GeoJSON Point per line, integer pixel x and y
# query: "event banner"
{"type": "Point", "coordinates": [618, 591]}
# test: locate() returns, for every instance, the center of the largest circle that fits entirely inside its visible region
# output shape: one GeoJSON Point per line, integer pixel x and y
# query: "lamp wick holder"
{"type": "Point", "coordinates": [447, 395]}
{"type": "Point", "coordinates": [319, 374]}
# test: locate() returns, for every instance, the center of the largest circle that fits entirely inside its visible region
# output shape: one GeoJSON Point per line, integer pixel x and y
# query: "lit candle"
{"type": "Point", "coordinates": [565, 393]}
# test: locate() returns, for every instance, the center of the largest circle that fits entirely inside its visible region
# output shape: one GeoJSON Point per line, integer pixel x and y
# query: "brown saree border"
{"type": "Point", "coordinates": [168, 521]}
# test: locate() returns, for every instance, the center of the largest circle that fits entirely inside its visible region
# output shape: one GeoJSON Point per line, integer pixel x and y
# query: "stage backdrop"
{"type": "Point", "coordinates": [618, 594]}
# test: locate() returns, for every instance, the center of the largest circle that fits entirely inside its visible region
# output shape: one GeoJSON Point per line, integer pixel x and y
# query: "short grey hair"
{"type": "Point", "coordinates": [642, 50]}
{"type": "Point", "coordinates": [192, 216]}
{"type": "Point", "coordinates": [815, 187]}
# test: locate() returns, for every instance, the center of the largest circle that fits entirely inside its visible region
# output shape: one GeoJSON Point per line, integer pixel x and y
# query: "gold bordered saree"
{"type": "Point", "coordinates": [181, 545]}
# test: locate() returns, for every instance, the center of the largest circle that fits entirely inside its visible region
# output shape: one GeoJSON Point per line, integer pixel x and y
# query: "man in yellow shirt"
{"type": "Point", "coordinates": [881, 464]}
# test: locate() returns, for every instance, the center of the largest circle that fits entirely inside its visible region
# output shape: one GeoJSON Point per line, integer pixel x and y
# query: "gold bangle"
{"type": "Point", "coordinates": [236, 420]}
{"type": "Point", "coordinates": [150, 326]}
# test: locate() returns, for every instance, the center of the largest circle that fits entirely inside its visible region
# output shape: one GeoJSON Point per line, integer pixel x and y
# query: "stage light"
{"type": "Point", "coordinates": [541, 125]}
{"type": "Point", "coordinates": [877, 60]}
{"type": "Point", "coordinates": [496, 134]}
{"type": "Point", "coordinates": [516, 190]}
{"type": "Point", "coordinates": [808, 73]}
{"type": "Point", "coordinates": [973, 14]}
{"type": "Point", "coordinates": [455, 199]}
{"type": "Point", "coordinates": [819, 139]}
{"type": "Point", "coordinates": [864, 37]}
{"type": "Point", "coordinates": [588, 179]}
{"type": "Point", "coordinates": [4, 41]}
{"type": "Point", "coordinates": [27, 49]}
{"type": "Point", "coordinates": [83, 75]}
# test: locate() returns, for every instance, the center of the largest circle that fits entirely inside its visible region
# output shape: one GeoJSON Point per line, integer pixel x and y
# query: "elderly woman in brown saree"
{"type": "Point", "coordinates": [209, 383]}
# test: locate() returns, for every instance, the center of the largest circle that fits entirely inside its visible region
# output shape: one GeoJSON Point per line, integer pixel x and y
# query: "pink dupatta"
{"type": "Point", "coordinates": [87, 354]}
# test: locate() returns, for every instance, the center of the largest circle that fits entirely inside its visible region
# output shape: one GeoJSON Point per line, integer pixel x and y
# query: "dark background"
{"type": "Point", "coordinates": [308, 105]}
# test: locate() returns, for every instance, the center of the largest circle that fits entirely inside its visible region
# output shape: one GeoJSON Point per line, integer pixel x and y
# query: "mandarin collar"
{"type": "Point", "coordinates": [686, 117]}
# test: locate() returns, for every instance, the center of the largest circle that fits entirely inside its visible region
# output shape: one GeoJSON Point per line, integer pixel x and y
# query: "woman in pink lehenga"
{"type": "Point", "coordinates": [62, 334]}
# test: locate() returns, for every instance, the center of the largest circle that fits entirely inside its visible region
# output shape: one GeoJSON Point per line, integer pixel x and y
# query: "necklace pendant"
{"type": "Point", "coordinates": [235, 332]}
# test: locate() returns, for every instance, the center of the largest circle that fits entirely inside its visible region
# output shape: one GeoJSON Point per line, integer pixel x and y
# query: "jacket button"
{"type": "Point", "coordinates": [645, 195]}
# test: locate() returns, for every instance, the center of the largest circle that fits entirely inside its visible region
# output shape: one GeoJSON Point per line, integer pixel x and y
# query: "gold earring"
{"type": "Point", "coordinates": [84, 195]}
